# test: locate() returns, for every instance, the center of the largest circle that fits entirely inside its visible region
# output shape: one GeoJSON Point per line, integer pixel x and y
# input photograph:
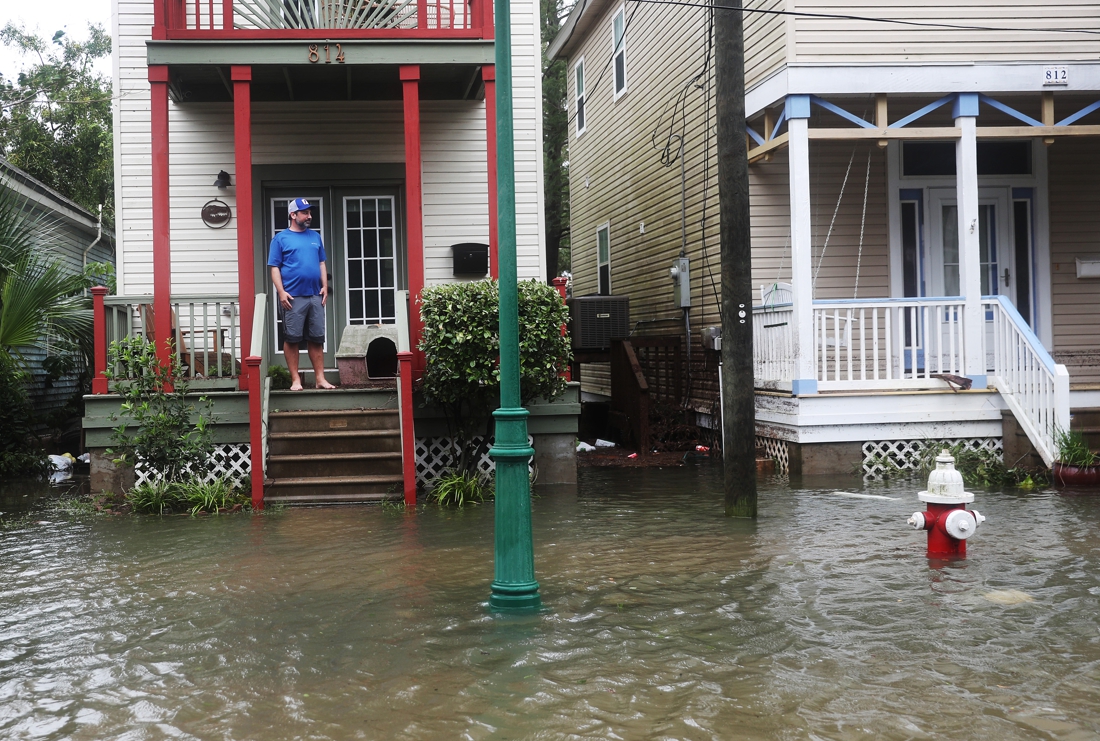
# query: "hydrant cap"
{"type": "Point", "coordinates": [945, 484]}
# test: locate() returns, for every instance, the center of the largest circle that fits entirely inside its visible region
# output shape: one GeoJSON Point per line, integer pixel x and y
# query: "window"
{"type": "Point", "coordinates": [578, 72]}
{"type": "Point", "coordinates": [603, 259]}
{"type": "Point", "coordinates": [938, 158]}
{"type": "Point", "coordinates": [618, 50]}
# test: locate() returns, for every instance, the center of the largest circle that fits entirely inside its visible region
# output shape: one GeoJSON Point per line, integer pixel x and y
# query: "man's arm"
{"type": "Point", "coordinates": [324, 283]}
{"type": "Point", "coordinates": [277, 278]}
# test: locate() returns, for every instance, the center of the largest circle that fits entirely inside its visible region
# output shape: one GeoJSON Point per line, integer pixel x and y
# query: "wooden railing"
{"type": "Point", "coordinates": [205, 333]}
{"type": "Point", "coordinates": [773, 350]}
{"type": "Point", "coordinates": [320, 18]}
{"type": "Point", "coordinates": [1033, 386]}
{"type": "Point", "coordinates": [259, 389]}
{"type": "Point", "coordinates": [887, 343]}
{"type": "Point", "coordinates": [661, 361]}
{"type": "Point", "coordinates": [630, 399]}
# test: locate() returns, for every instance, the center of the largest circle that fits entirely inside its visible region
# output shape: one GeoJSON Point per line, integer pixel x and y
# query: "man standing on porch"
{"type": "Point", "coordinates": [297, 262]}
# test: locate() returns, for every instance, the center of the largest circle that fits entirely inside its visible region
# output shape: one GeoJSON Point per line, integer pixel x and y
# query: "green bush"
{"type": "Point", "coordinates": [459, 488]}
{"type": "Point", "coordinates": [193, 496]}
{"type": "Point", "coordinates": [280, 377]}
{"type": "Point", "coordinates": [461, 341]}
{"type": "Point", "coordinates": [1073, 449]}
{"type": "Point", "coordinates": [20, 455]}
{"type": "Point", "coordinates": [172, 439]}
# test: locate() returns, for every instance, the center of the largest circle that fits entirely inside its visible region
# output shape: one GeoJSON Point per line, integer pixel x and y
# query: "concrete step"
{"type": "Point", "coordinates": [320, 489]}
{"type": "Point", "coordinates": [334, 420]}
{"type": "Point", "coordinates": [334, 464]}
{"type": "Point", "coordinates": [334, 441]}
{"type": "Point", "coordinates": [320, 399]}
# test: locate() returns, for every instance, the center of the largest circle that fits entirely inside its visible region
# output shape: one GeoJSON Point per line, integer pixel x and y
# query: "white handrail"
{"type": "Point", "coordinates": [1033, 386]}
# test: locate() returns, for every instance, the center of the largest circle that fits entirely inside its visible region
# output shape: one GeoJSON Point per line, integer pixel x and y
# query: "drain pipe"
{"type": "Point", "coordinates": [98, 236]}
{"type": "Point", "coordinates": [946, 519]}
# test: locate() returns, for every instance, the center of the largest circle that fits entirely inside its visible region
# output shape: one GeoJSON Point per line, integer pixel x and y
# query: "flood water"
{"type": "Point", "coordinates": [662, 620]}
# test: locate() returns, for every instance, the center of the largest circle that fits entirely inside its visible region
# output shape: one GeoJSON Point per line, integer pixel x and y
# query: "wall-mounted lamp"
{"type": "Point", "coordinates": [223, 180]}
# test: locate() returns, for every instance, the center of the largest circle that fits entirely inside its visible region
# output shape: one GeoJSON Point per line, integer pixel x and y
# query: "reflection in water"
{"type": "Point", "coordinates": [662, 619]}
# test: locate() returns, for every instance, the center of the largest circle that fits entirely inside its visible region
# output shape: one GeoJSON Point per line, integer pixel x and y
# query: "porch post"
{"type": "Point", "coordinates": [965, 112]}
{"type": "Point", "coordinates": [802, 289]}
{"type": "Point", "coordinates": [242, 157]}
{"type": "Point", "coordinates": [488, 75]}
{"type": "Point", "coordinates": [99, 341]}
{"type": "Point", "coordinates": [162, 253]}
{"type": "Point", "coordinates": [410, 87]}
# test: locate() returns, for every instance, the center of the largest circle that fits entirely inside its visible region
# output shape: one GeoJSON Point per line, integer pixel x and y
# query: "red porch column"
{"type": "Point", "coordinates": [408, 435]}
{"type": "Point", "coordinates": [410, 86]}
{"type": "Point", "coordinates": [255, 430]}
{"type": "Point", "coordinates": [242, 156]}
{"type": "Point", "coordinates": [489, 76]}
{"type": "Point", "coordinates": [162, 252]}
{"type": "Point", "coordinates": [99, 340]}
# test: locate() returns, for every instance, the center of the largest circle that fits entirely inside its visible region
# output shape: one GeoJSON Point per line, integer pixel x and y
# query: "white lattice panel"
{"type": "Point", "coordinates": [881, 456]}
{"type": "Point", "coordinates": [231, 460]}
{"type": "Point", "coordinates": [436, 455]}
{"type": "Point", "coordinates": [777, 450]}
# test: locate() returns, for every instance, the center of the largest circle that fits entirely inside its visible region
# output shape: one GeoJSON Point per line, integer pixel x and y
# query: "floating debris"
{"type": "Point", "coordinates": [854, 495]}
{"type": "Point", "coordinates": [1008, 597]}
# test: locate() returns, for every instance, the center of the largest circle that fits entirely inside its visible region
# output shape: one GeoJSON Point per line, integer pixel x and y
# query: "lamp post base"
{"type": "Point", "coordinates": [515, 597]}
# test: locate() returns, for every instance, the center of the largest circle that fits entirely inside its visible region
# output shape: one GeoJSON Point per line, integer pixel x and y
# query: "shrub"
{"type": "Point", "coordinates": [461, 340]}
{"type": "Point", "coordinates": [1073, 449]}
{"type": "Point", "coordinates": [459, 488]}
{"type": "Point", "coordinates": [19, 454]}
{"type": "Point", "coordinates": [166, 442]}
{"type": "Point", "coordinates": [280, 377]}
{"type": "Point", "coordinates": [154, 497]}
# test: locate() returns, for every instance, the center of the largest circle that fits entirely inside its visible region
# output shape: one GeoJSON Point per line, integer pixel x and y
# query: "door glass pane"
{"type": "Point", "coordinates": [371, 271]}
{"type": "Point", "coordinates": [951, 251]}
{"type": "Point", "coordinates": [987, 241]}
{"type": "Point", "coordinates": [601, 239]}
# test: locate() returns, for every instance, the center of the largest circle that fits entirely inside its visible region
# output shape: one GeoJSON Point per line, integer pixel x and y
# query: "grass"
{"type": "Point", "coordinates": [1073, 449]}
{"type": "Point", "coordinates": [195, 497]}
{"type": "Point", "coordinates": [458, 488]}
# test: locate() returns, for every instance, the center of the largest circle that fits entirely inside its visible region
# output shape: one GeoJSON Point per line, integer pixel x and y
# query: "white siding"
{"type": "Point", "coordinates": [201, 143]}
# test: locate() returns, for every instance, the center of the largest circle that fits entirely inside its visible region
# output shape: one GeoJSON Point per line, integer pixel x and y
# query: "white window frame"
{"type": "Point", "coordinates": [616, 50]}
{"type": "Point", "coordinates": [604, 227]}
{"type": "Point", "coordinates": [580, 97]}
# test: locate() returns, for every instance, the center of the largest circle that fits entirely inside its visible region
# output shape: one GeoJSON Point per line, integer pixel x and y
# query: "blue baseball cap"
{"type": "Point", "coordinates": [298, 204]}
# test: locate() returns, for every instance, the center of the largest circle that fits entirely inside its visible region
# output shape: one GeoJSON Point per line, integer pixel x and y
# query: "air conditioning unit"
{"type": "Point", "coordinates": [597, 319]}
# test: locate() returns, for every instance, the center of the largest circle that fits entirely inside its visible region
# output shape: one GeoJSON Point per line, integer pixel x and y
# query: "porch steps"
{"type": "Point", "coordinates": [336, 447]}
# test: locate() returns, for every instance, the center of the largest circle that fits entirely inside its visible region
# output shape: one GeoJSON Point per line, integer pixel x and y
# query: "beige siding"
{"type": "Point", "coordinates": [844, 41]}
{"type": "Point", "coordinates": [454, 168]}
{"type": "Point", "coordinates": [765, 42]}
{"type": "Point", "coordinates": [1075, 232]}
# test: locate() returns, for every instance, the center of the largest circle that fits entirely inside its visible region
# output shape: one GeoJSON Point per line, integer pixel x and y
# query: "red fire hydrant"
{"type": "Point", "coordinates": [947, 520]}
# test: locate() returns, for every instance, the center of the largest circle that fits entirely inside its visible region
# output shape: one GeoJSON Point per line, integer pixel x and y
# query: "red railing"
{"type": "Point", "coordinates": [323, 20]}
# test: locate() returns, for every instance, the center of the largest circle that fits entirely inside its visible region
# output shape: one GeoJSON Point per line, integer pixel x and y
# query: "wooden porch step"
{"type": "Point", "coordinates": [336, 480]}
{"type": "Point", "coordinates": [323, 457]}
{"type": "Point", "coordinates": [333, 498]}
{"type": "Point", "coordinates": [334, 413]}
{"type": "Point", "coordinates": [295, 462]}
{"type": "Point", "coordinates": [327, 434]}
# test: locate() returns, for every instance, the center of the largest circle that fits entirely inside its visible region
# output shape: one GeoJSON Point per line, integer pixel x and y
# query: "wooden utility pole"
{"type": "Point", "coordinates": [739, 413]}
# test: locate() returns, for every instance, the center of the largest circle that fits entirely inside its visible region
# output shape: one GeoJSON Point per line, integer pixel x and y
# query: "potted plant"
{"type": "Point", "coordinates": [1076, 464]}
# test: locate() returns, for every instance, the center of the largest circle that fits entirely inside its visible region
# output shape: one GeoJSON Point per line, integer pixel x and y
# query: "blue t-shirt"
{"type": "Point", "coordinates": [298, 255]}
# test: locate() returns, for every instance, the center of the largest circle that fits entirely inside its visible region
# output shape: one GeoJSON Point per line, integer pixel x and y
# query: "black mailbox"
{"type": "Point", "coordinates": [471, 258]}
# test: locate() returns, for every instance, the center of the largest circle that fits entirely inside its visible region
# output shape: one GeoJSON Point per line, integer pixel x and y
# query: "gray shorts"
{"type": "Point", "coordinates": [304, 320]}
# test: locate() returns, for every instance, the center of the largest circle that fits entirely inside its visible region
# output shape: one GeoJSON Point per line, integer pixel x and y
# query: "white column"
{"type": "Point", "coordinates": [970, 265]}
{"type": "Point", "coordinates": [798, 151]}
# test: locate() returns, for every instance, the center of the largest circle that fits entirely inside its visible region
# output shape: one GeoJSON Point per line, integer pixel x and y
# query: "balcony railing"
{"type": "Point", "coordinates": [327, 19]}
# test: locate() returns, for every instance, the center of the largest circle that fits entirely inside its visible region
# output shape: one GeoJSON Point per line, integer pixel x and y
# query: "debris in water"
{"type": "Point", "coordinates": [1008, 597]}
{"type": "Point", "coordinates": [853, 495]}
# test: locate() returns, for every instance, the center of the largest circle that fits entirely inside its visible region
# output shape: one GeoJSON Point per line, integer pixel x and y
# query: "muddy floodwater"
{"type": "Point", "coordinates": [662, 620]}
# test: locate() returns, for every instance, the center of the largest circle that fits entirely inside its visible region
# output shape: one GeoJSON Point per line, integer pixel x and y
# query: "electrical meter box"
{"type": "Point", "coordinates": [680, 274]}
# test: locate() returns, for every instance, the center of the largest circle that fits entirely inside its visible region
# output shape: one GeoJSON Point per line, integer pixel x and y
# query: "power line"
{"type": "Point", "coordinates": [871, 19]}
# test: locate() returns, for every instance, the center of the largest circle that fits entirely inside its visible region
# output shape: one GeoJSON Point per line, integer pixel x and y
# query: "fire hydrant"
{"type": "Point", "coordinates": [947, 520]}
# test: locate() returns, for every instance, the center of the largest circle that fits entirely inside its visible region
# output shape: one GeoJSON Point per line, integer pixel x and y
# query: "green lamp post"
{"type": "Point", "coordinates": [514, 588]}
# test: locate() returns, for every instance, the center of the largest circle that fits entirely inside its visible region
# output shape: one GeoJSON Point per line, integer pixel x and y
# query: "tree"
{"type": "Point", "coordinates": [55, 119]}
{"type": "Point", "coordinates": [555, 145]}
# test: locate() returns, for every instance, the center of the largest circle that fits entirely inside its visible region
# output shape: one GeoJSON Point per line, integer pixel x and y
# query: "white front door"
{"type": "Point", "coordinates": [997, 256]}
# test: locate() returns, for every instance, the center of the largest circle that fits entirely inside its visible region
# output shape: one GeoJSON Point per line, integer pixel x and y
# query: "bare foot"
{"type": "Point", "coordinates": [297, 386]}
{"type": "Point", "coordinates": [324, 385]}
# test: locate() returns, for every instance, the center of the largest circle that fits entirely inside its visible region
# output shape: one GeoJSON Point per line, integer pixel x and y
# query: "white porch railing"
{"type": "Point", "coordinates": [886, 343]}
{"type": "Point", "coordinates": [1033, 386]}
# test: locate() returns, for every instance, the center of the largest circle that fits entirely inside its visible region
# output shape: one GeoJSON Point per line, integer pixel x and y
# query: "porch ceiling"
{"type": "Point", "coordinates": [194, 83]}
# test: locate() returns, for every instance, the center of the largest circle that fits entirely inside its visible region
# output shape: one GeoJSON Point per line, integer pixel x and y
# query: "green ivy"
{"type": "Point", "coordinates": [461, 342]}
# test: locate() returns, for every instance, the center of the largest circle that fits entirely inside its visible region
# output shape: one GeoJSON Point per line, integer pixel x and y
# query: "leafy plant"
{"type": "Point", "coordinates": [211, 497]}
{"type": "Point", "coordinates": [462, 343]}
{"type": "Point", "coordinates": [459, 488]}
{"type": "Point", "coordinates": [154, 497]}
{"type": "Point", "coordinates": [166, 440]}
{"type": "Point", "coordinates": [1073, 449]}
{"type": "Point", "coordinates": [280, 377]}
{"type": "Point", "coordinates": [20, 455]}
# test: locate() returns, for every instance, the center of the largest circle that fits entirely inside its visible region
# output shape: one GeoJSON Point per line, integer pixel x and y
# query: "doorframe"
{"type": "Point", "coordinates": [330, 177]}
{"type": "Point", "coordinates": [1038, 180]}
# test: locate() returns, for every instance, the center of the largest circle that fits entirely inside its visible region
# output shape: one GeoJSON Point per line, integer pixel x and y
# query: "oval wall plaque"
{"type": "Point", "coordinates": [216, 214]}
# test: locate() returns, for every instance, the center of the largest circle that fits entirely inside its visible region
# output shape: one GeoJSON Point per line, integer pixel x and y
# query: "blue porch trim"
{"type": "Point", "coordinates": [803, 386]}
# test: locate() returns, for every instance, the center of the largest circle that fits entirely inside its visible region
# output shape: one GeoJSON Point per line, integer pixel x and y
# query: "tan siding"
{"type": "Point", "coordinates": [1075, 232]}
{"type": "Point", "coordinates": [846, 41]}
{"type": "Point", "coordinates": [765, 42]}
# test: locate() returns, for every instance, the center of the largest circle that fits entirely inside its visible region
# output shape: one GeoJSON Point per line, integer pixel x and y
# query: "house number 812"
{"type": "Point", "coordinates": [314, 54]}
